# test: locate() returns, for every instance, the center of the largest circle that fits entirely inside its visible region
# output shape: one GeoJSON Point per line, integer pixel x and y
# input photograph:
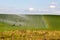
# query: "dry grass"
{"type": "Point", "coordinates": [30, 35]}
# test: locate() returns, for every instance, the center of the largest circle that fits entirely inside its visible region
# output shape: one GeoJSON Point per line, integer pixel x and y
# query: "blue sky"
{"type": "Point", "coordinates": [17, 5]}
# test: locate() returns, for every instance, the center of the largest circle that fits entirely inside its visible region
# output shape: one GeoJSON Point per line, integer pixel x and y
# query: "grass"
{"type": "Point", "coordinates": [35, 23]}
{"type": "Point", "coordinates": [30, 35]}
{"type": "Point", "coordinates": [7, 27]}
{"type": "Point", "coordinates": [35, 29]}
{"type": "Point", "coordinates": [53, 22]}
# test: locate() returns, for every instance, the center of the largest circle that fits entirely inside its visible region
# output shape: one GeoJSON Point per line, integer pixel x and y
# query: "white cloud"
{"type": "Point", "coordinates": [52, 6]}
{"type": "Point", "coordinates": [31, 9]}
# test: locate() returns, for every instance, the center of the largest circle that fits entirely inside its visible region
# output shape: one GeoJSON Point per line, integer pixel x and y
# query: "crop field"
{"type": "Point", "coordinates": [30, 35]}
{"type": "Point", "coordinates": [29, 27]}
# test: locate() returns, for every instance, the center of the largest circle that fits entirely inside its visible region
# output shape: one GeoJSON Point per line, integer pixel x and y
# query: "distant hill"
{"type": "Point", "coordinates": [27, 20]}
{"type": "Point", "coordinates": [50, 22]}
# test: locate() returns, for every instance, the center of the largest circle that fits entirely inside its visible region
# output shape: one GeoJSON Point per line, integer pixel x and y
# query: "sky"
{"type": "Point", "coordinates": [29, 6]}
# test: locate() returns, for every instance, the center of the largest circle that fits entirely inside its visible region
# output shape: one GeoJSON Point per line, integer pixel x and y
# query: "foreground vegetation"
{"type": "Point", "coordinates": [30, 35]}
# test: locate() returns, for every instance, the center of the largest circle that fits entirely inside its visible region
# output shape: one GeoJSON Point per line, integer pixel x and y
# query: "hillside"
{"type": "Point", "coordinates": [30, 22]}
{"type": "Point", "coordinates": [53, 21]}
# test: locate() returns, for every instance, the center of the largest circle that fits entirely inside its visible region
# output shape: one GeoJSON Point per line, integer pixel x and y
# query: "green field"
{"type": "Point", "coordinates": [30, 22]}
